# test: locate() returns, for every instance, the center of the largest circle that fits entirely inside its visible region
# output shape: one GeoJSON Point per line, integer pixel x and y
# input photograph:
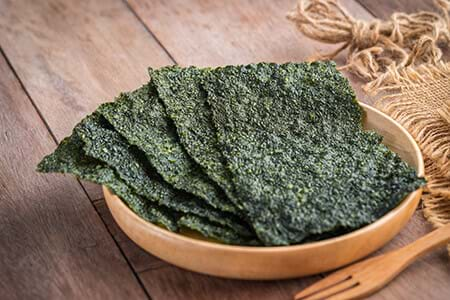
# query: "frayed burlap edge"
{"type": "Point", "coordinates": [437, 184]}
{"type": "Point", "coordinates": [436, 209]}
{"type": "Point", "coordinates": [419, 99]}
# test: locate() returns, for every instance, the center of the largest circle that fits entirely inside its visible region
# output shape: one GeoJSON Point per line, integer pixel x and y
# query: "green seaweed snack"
{"type": "Point", "coordinates": [300, 161]}
{"type": "Point", "coordinates": [131, 165]}
{"type": "Point", "coordinates": [185, 100]}
{"type": "Point", "coordinates": [69, 157]}
{"type": "Point", "coordinates": [141, 119]}
{"type": "Point", "coordinates": [260, 154]}
{"type": "Point", "coordinates": [213, 231]}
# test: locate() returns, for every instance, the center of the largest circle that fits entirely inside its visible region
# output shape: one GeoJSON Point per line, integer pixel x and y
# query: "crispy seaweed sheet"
{"type": "Point", "coordinates": [130, 163]}
{"type": "Point", "coordinates": [140, 117]}
{"type": "Point", "coordinates": [185, 100]}
{"type": "Point", "coordinates": [284, 142]}
{"type": "Point", "coordinates": [70, 158]}
{"type": "Point", "coordinates": [300, 162]}
{"type": "Point", "coordinates": [219, 233]}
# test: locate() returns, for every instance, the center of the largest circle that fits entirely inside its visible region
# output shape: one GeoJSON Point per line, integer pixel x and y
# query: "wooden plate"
{"type": "Point", "coordinates": [286, 261]}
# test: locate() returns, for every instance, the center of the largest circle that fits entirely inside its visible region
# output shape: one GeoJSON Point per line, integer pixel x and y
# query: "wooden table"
{"type": "Point", "coordinates": [59, 60]}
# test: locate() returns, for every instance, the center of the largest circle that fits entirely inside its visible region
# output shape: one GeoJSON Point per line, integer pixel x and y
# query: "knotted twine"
{"type": "Point", "coordinates": [402, 58]}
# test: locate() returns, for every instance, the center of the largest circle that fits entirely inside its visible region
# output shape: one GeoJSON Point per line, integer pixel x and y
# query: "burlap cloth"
{"type": "Point", "coordinates": [401, 60]}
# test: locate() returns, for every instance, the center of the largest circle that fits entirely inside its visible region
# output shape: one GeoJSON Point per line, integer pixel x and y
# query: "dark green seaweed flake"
{"type": "Point", "coordinates": [211, 230]}
{"type": "Point", "coordinates": [70, 158]}
{"type": "Point", "coordinates": [141, 119]}
{"type": "Point", "coordinates": [185, 101]}
{"type": "Point", "coordinates": [284, 141]}
{"type": "Point", "coordinates": [300, 161]}
{"type": "Point", "coordinates": [131, 165]}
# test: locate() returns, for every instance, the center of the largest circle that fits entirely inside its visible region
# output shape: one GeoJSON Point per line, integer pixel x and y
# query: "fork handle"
{"type": "Point", "coordinates": [424, 245]}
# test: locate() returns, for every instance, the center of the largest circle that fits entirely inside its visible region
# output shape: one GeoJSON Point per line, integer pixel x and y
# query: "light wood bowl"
{"type": "Point", "coordinates": [287, 261]}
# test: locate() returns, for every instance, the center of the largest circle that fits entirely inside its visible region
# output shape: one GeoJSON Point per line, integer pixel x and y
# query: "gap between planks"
{"type": "Point", "coordinates": [149, 30]}
{"type": "Point", "coordinates": [2, 53]}
{"type": "Point", "coordinates": [135, 274]}
{"type": "Point", "coordinates": [13, 70]}
{"type": "Point", "coordinates": [76, 241]}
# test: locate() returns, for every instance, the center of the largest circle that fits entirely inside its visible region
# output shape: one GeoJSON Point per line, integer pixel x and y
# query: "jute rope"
{"type": "Point", "coordinates": [402, 58]}
{"type": "Point", "coordinates": [375, 47]}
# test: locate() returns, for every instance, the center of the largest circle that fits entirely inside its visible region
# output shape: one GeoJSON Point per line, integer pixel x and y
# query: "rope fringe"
{"type": "Point", "coordinates": [378, 51]}
{"type": "Point", "coordinates": [419, 101]}
{"type": "Point", "coordinates": [437, 183]}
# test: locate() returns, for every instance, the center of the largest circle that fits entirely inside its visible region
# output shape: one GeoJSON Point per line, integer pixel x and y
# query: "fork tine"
{"type": "Point", "coordinates": [323, 284]}
{"type": "Point", "coordinates": [333, 290]}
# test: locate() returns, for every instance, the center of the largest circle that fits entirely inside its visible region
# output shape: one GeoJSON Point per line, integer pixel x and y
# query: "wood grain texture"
{"type": "Point", "coordinates": [427, 278]}
{"type": "Point", "coordinates": [73, 55]}
{"type": "Point", "coordinates": [138, 258]}
{"type": "Point", "coordinates": [53, 244]}
{"type": "Point", "coordinates": [212, 33]}
{"type": "Point", "coordinates": [165, 281]}
{"type": "Point", "coordinates": [173, 283]}
{"type": "Point", "coordinates": [384, 9]}
{"type": "Point", "coordinates": [370, 275]}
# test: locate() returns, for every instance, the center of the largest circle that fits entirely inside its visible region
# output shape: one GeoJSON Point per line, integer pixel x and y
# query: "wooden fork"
{"type": "Point", "coordinates": [364, 278]}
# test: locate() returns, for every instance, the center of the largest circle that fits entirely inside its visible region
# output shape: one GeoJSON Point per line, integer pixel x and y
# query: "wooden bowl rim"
{"type": "Point", "coordinates": [289, 248]}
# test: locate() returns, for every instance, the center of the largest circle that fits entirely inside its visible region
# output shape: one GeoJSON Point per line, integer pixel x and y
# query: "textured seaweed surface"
{"type": "Point", "coordinates": [284, 142]}
{"type": "Point", "coordinates": [131, 165]}
{"type": "Point", "coordinates": [301, 163]}
{"type": "Point", "coordinates": [208, 229]}
{"type": "Point", "coordinates": [70, 158]}
{"type": "Point", "coordinates": [140, 117]}
{"type": "Point", "coordinates": [181, 91]}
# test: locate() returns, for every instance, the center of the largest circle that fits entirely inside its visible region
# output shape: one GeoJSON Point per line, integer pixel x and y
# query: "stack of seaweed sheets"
{"type": "Point", "coordinates": [262, 154]}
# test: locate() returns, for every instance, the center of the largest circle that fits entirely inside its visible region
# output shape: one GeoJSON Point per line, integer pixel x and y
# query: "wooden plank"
{"type": "Point", "coordinates": [174, 284]}
{"type": "Point", "coordinates": [73, 55]}
{"type": "Point", "coordinates": [383, 9]}
{"type": "Point", "coordinates": [211, 33]}
{"type": "Point", "coordinates": [52, 242]}
{"type": "Point", "coordinates": [138, 258]}
{"type": "Point", "coordinates": [427, 278]}
{"type": "Point", "coordinates": [165, 281]}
